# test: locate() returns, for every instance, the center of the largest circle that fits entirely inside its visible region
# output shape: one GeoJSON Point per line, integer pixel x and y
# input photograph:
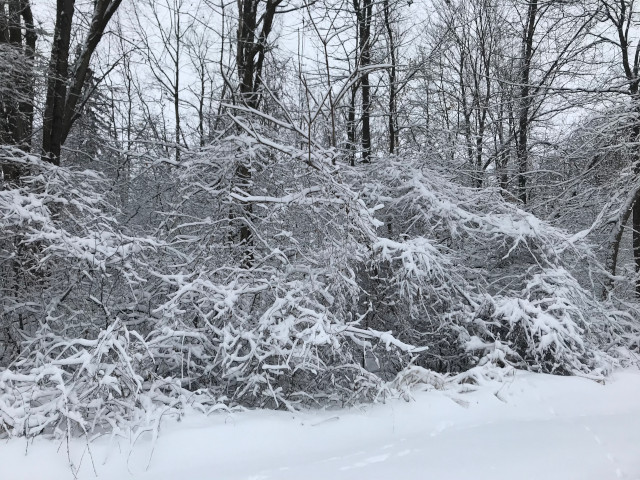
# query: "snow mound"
{"type": "Point", "coordinates": [527, 426]}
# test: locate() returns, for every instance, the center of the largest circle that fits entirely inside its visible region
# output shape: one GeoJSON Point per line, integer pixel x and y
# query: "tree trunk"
{"type": "Point", "coordinates": [364, 14]}
{"type": "Point", "coordinates": [52, 129]}
{"type": "Point", "coordinates": [64, 84]}
{"type": "Point", "coordinates": [16, 126]}
{"type": "Point", "coordinates": [351, 126]}
{"type": "Point", "coordinates": [393, 109]}
{"type": "Point", "coordinates": [251, 50]}
{"type": "Point", "coordinates": [635, 216]}
{"type": "Point", "coordinates": [522, 145]}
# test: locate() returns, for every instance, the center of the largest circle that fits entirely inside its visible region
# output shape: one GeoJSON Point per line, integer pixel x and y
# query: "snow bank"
{"type": "Point", "coordinates": [529, 426]}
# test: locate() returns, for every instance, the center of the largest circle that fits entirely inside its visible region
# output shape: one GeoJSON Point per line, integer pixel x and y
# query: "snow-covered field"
{"type": "Point", "coordinates": [530, 426]}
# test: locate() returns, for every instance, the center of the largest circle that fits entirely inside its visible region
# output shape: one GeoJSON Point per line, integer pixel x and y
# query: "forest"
{"type": "Point", "coordinates": [290, 204]}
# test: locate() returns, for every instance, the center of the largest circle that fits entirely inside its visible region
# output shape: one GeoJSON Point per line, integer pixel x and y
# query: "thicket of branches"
{"type": "Point", "coordinates": [191, 217]}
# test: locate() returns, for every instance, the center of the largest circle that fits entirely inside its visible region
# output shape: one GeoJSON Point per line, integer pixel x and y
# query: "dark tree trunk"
{"type": "Point", "coordinates": [364, 14]}
{"type": "Point", "coordinates": [251, 51]}
{"type": "Point", "coordinates": [635, 214]}
{"type": "Point", "coordinates": [622, 19]}
{"type": "Point", "coordinates": [393, 108]}
{"type": "Point", "coordinates": [351, 126]}
{"type": "Point", "coordinates": [26, 104]}
{"type": "Point", "coordinates": [522, 144]}
{"type": "Point", "coordinates": [636, 243]}
{"type": "Point", "coordinates": [52, 128]}
{"type": "Point", "coordinates": [66, 84]}
{"type": "Point", "coordinates": [16, 109]}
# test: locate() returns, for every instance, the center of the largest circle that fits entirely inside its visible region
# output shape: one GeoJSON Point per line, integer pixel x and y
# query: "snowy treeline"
{"type": "Point", "coordinates": [241, 246]}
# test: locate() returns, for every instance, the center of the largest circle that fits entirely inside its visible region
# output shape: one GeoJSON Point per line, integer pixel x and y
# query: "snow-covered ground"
{"type": "Point", "coordinates": [528, 427]}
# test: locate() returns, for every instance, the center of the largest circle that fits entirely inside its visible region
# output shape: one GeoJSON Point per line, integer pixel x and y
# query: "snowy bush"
{"type": "Point", "coordinates": [551, 326]}
{"type": "Point", "coordinates": [68, 271]}
{"type": "Point", "coordinates": [300, 281]}
{"type": "Point", "coordinates": [286, 327]}
{"type": "Point", "coordinates": [64, 386]}
{"type": "Point", "coordinates": [472, 273]}
{"type": "Point", "coordinates": [65, 261]}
